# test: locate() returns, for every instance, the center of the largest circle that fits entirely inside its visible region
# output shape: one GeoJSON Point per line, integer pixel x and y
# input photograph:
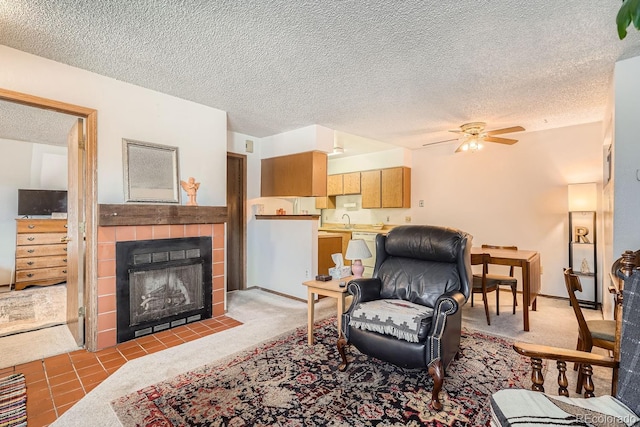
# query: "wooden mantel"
{"type": "Point", "coordinates": [148, 214]}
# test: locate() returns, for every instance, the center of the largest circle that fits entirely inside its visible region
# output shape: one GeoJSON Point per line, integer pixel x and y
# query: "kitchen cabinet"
{"type": "Point", "coordinates": [343, 184]}
{"type": "Point", "coordinates": [396, 187]}
{"type": "Point", "coordinates": [371, 189]}
{"type": "Point", "coordinates": [334, 185]}
{"type": "Point", "coordinates": [41, 252]}
{"type": "Point", "coordinates": [386, 188]}
{"type": "Point", "coordinates": [294, 175]}
{"type": "Point", "coordinates": [328, 244]}
{"type": "Point", "coordinates": [346, 236]}
{"type": "Point", "coordinates": [327, 202]}
{"type": "Point", "coordinates": [351, 183]}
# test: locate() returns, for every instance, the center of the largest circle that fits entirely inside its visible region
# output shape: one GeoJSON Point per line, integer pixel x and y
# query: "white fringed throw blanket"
{"type": "Point", "coordinates": [511, 407]}
{"type": "Point", "coordinates": [391, 317]}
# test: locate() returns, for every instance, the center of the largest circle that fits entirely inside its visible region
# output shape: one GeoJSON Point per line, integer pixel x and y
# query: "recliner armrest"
{"type": "Point", "coordinates": [363, 290]}
{"type": "Point", "coordinates": [449, 303]}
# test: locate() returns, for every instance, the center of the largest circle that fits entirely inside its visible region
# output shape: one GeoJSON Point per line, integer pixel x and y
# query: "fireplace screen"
{"type": "Point", "coordinates": [161, 284]}
{"type": "Point", "coordinates": [156, 294]}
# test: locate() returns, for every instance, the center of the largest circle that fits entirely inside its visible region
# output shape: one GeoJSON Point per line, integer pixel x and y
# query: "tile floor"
{"type": "Point", "coordinates": [56, 383]}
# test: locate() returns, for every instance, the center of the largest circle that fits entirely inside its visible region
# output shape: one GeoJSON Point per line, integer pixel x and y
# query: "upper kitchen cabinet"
{"type": "Point", "coordinates": [351, 183]}
{"type": "Point", "coordinates": [334, 185]}
{"type": "Point", "coordinates": [396, 188]}
{"type": "Point", "coordinates": [343, 184]}
{"type": "Point", "coordinates": [371, 190]}
{"type": "Point", "coordinates": [295, 175]}
{"type": "Point", "coordinates": [386, 188]}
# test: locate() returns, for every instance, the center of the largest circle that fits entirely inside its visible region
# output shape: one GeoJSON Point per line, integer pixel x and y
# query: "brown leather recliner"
{"type": "Point", "coordinates": [410, 312]}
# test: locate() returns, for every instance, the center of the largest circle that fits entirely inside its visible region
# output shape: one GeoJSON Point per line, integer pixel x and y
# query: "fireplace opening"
{"type": "Point", "coordinates": [161, 284]}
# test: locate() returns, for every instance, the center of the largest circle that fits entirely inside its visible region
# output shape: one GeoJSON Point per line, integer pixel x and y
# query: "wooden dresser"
{"type": "Point", "coordinates": [41, 252]}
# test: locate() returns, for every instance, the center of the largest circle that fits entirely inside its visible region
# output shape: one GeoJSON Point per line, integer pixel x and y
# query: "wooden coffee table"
{"type": "Point", "coordinates": [329, 289]}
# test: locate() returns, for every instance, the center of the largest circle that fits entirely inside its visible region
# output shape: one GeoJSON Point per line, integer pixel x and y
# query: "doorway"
{"type": "Point", "coordinates": [81, 304]}
{"type": "Point", "coordinates": [236, 221]}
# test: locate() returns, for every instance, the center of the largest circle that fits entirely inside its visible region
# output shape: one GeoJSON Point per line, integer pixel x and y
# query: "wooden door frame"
{"type": "Point", "coordinates": [243, 262]}
{"type": "Point", "coordinates": [90, 207]}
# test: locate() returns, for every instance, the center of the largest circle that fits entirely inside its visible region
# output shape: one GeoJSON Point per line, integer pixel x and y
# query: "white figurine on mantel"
{"type": "Point", "coordinates": [191, 187]}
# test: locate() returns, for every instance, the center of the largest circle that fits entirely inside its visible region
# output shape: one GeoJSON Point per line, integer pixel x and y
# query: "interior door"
{"type": "Point", "coordinates": [75, 231]}
{"type": "Point", "coordinates": [236, 221]}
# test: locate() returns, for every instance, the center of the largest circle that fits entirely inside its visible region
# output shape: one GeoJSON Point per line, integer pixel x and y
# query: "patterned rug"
{"type": "Point", "coordinates": [287, 382]}
{"type": "Point", "coordinates": [13, 401]}
{"type": "Point", "coordinates": [32, 308]}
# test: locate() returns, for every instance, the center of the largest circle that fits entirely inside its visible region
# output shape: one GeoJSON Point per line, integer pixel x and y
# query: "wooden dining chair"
{"type": "Point", "coordinates": [591, 333]}
{"type": "Point", "coordinates": [482, 284]}
{"type": "Point", "coordinates": [504, 280]}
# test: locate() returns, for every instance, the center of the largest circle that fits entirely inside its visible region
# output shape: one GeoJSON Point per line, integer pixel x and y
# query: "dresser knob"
{"type": "Point", "coordinates": [31, 250]}
{"type": "Point", "coordinates": [64, 239]}
{"type": "Point", "coordinates": [64, 271]}
{"type": "Point", "coordinates": [64, 260]}
{"type": "Point", "coordinates": [29, 274]}
{"type": "Point", "coordinates": [65, 226]}
{"type": "Point", "coordinates": [31, 226]}
{"type": "Point", "coordinates": [31, 239]}
{"type": "Point", "coordinates": [30, 263]}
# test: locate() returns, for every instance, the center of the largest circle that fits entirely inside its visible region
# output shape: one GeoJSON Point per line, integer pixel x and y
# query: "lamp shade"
{"type": "Point", "coordinates": [357, 249]}
{"type": "Point", "coordinates": [583, 197]}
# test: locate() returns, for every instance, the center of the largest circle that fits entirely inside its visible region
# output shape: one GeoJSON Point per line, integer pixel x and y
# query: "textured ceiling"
{"type": "Point", "coordinates": [402, 72]}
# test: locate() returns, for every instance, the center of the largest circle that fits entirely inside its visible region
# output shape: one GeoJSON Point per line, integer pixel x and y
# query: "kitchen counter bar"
{"type": "Point", "coordinates": [288, 217]}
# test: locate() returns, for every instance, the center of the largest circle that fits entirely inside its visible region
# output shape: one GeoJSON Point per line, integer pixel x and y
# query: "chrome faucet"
{"type": "Point", "coordinates": [348, 225]}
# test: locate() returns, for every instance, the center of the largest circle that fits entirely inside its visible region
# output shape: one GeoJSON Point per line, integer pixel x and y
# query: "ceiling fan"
{"type": "Point", "coordinates": [473, 135]}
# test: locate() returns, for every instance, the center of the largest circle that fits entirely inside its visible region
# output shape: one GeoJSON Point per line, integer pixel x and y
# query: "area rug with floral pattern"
{"type": "Point", "coordinates": [289, 383]}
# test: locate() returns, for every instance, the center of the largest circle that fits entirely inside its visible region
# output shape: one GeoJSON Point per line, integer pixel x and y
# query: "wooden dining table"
{"type": "Point", "coordinates": [529, 262]}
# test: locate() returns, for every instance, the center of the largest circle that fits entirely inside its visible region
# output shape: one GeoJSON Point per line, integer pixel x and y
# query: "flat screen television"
{"type": "Point", "coordinates": [41, 202]}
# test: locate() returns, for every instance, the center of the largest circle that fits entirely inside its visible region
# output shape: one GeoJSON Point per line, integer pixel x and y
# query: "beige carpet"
{"type": "Point", "coordinates": [32, 308]}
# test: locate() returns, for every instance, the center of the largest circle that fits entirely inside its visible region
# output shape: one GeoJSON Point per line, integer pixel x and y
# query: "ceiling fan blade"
{"type": "Point", "coordinates": [507, 141]}
{"type": "Point", "coordinates": [459, 149]}
{"type": "Point", "coordinates": [438, 142]}
{"type": "Point", "coordinates": [505, 130]}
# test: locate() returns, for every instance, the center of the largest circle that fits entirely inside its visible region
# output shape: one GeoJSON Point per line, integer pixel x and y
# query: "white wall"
{"type": "Point", "coordinates": [510, 195]}
{"type": "Point", "coordinates": [286, 257]}
{"type": "Point", "coordinates": [308, 138]}
{"type": "Point", "coordinates": [626, 156]}
{"type": "Point", "coordinates": [129, 111]}
{"type": "Point", "coordinates": [15, 172]}
{"type": "Point", "coordinates": [24, 165]}
{"type": "Point", "coordinates": [378, 160]}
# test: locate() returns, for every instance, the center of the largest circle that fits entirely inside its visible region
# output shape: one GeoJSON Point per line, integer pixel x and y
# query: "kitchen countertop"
{"type": "Point", "coordinates": [323, 234]}
{"type": "Point", "coordinates": [339, 228]}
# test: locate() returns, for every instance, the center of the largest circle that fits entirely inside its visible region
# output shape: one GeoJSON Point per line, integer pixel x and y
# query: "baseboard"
{"type": "Point", "coordinates": [271, 291]}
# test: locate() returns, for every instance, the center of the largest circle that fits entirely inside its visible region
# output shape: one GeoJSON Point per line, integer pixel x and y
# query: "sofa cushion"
{"type": "Point", "coordinates": [402, 319]}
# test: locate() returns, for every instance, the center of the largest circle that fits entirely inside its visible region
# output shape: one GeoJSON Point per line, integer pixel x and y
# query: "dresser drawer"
{"type": "Point", "coordinates": [40, 238]}
{"type": "Point", "coordinates": [41, 226]}
{"type": "Point", "coordinates": [59, 273]}
{"type": "Point", "coordinates": [41, 262]}
{"type": "Point", "coordinates": [41, 250]}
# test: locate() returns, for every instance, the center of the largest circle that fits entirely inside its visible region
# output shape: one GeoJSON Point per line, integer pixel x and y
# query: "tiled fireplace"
{"type": "Point", "coordinates": [108, 236]}
{"type": "Point", "coordinates": [162, 284]}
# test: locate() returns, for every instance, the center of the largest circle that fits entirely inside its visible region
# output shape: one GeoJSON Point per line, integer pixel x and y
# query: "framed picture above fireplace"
{"type": "Point", "coordinates": [150, 172]}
